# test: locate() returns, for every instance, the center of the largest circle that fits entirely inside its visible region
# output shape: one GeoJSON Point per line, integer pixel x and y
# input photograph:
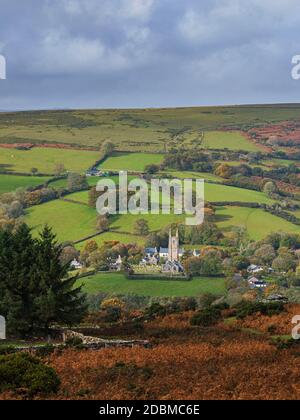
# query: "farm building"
{"type": "Point", "coordinates": [255, 283]}
{"type": "Point", "coordinates": [254, 269]}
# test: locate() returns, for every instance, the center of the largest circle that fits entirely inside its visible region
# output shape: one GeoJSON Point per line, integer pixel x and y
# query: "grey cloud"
{"type": "Point", "coordinates": [131, 53]}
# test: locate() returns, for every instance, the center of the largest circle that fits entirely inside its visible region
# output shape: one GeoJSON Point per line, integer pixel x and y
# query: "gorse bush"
{"type": "Point", "coordinates": [74, 342]}
{"type": "Point", "coordinates": [206, 317]}
{"type": "Point", "coordinates": [23, 371]}
{"type": "Point", "coordinates": [221, 306]}
{"type": "Point", "coordinates": [156, 309]}
{"type": "Point", "coordinates": [244, 309]}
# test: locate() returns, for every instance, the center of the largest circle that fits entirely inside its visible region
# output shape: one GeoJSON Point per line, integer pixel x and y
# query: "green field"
{"type": "Point", "coordinates": [74, 221]}
{"type": "Point", "coordinates": [69, 221]}
{"type": "Point", "coordinates": [257, 222]}
{"type": "Point", "coordinates": [140, 130]}
{"type": "Point", "coordinates": [216, 192]}
{"type": "Point", "coordinates": [124, 238]}
{"type": "Point", "coordinates": [135, 162]}
{"type": "Point", "coordinates": [232, 140]}
{"type": "Point", "coordinates": [213, 193]}
{"type": "Point", "coordinates": [45, 159]}
{"type": "Point", "coordinates": [80, 196]}
{"type": "Point", "coordinates": [10, 183]}
{"type": "Point", "coordinates": [125, 223]}
{"type": "Point", "coordinates": [117, 284]}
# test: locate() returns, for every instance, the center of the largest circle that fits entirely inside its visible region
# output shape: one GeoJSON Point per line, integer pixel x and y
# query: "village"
{"type": "Point", "coordinates": [170, 263]}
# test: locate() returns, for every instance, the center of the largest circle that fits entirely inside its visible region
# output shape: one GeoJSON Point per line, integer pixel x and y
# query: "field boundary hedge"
{"type": "Point", "coordinates": [94, 235]}
{"type": "Point", "coordinates": [238, 204]}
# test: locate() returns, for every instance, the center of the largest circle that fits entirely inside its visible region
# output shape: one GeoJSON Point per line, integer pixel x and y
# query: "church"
{"type": "Point", "coordinates": [172, 253]}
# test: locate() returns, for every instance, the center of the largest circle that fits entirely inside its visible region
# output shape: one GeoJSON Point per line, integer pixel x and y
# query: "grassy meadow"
{"type": "Point", "coordinates": [232, 140]}
{"type": "Point", "coordinates": [69, 221]}
{"type": "Point", "coordinates": [10, 183]}
{"type": "Point", "coordinates": [125, 223]}
{"type": "Point", "coordinates": [135, 162]}
{"type": "Point", "coordinates": [117, 284]}
{"type": "Point", "coordinates": [46, 159]}
{"type": "Point", "coordinates": [75, 220]}
{"type": "Point", "coordinates": [217, 192]}
{"type": "Point", "coordinates": [257, 222]}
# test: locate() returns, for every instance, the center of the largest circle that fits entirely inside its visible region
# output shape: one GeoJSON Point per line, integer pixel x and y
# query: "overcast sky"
{"type": "Point", "coordinates": [147, 53]}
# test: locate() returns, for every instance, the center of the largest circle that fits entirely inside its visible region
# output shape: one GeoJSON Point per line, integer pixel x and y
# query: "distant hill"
{"type": "Point", "coordinates": [145, 130]}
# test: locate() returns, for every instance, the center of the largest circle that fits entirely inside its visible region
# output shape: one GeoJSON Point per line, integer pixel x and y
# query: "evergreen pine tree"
{"type": "Point", "coordinates": [58, 300]}
{"type": "Point", "coordinates": [17, 267]}
{"type": "Point", "coordinates": [35, 289]}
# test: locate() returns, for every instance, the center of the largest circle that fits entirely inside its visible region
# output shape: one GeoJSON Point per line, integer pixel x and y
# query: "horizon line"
{"type": "Point", "coordinates": [71, 109]}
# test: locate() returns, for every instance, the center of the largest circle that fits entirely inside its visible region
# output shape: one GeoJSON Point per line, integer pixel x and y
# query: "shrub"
{"type": "Point", "coordinates": [112, 314]}
{"type": "Point", "coordinates": [188, 304]}
{"type": "Point", "coordinates": [207, 299]}
{"type": "Point", "coordinates": [74, 342]}
{"type": "Point", "coordinates": [156, 309]}
{"type": "Point", "coordinates": [283, 344]}
{"type": "Point", "coordinates": [45, 351]}
{"type": "Point", "coordinates": [221, 306]}
{"type": "Point", "coordinates": [23, 371]}
{"type": "Point", "coordinates": [206, 317]}
{"type": "Point", "coordinates": [244, 309]}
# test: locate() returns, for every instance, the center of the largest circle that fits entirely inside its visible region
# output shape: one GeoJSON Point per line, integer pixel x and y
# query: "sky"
{"type": "Point", "coordinates": [147, 53]}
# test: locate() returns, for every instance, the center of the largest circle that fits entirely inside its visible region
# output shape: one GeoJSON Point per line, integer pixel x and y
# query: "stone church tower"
{"type": "Point", "coordinates": [173, 246]}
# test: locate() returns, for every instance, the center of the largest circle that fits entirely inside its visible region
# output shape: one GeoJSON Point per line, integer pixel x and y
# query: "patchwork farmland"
{"type": "Point", "coordinates": [215, 144]}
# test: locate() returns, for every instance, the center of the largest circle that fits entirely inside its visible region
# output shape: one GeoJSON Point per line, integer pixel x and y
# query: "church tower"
{"type": "Point", "coordinates": [173, 246]}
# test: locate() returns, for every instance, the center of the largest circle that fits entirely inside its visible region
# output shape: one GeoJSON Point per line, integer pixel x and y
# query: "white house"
{"type": "Point", "coordinates": [164, 252]}
{"type": "Point", "coordinates": [76, 265]}
{"type": "Point", "coordinates": [117, 266]}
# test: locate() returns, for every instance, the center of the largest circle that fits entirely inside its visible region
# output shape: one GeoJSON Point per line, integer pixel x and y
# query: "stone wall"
{"type": "Point", "coordinates": [95, 342]}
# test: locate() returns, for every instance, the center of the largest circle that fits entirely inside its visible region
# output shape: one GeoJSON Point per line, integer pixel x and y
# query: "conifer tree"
{"type": "Point", "coordinates": [58, 299]}
{"type": "Point", "coordinates": [35, 289]}
{"type": "Point", "coordinates": [17, 267]}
